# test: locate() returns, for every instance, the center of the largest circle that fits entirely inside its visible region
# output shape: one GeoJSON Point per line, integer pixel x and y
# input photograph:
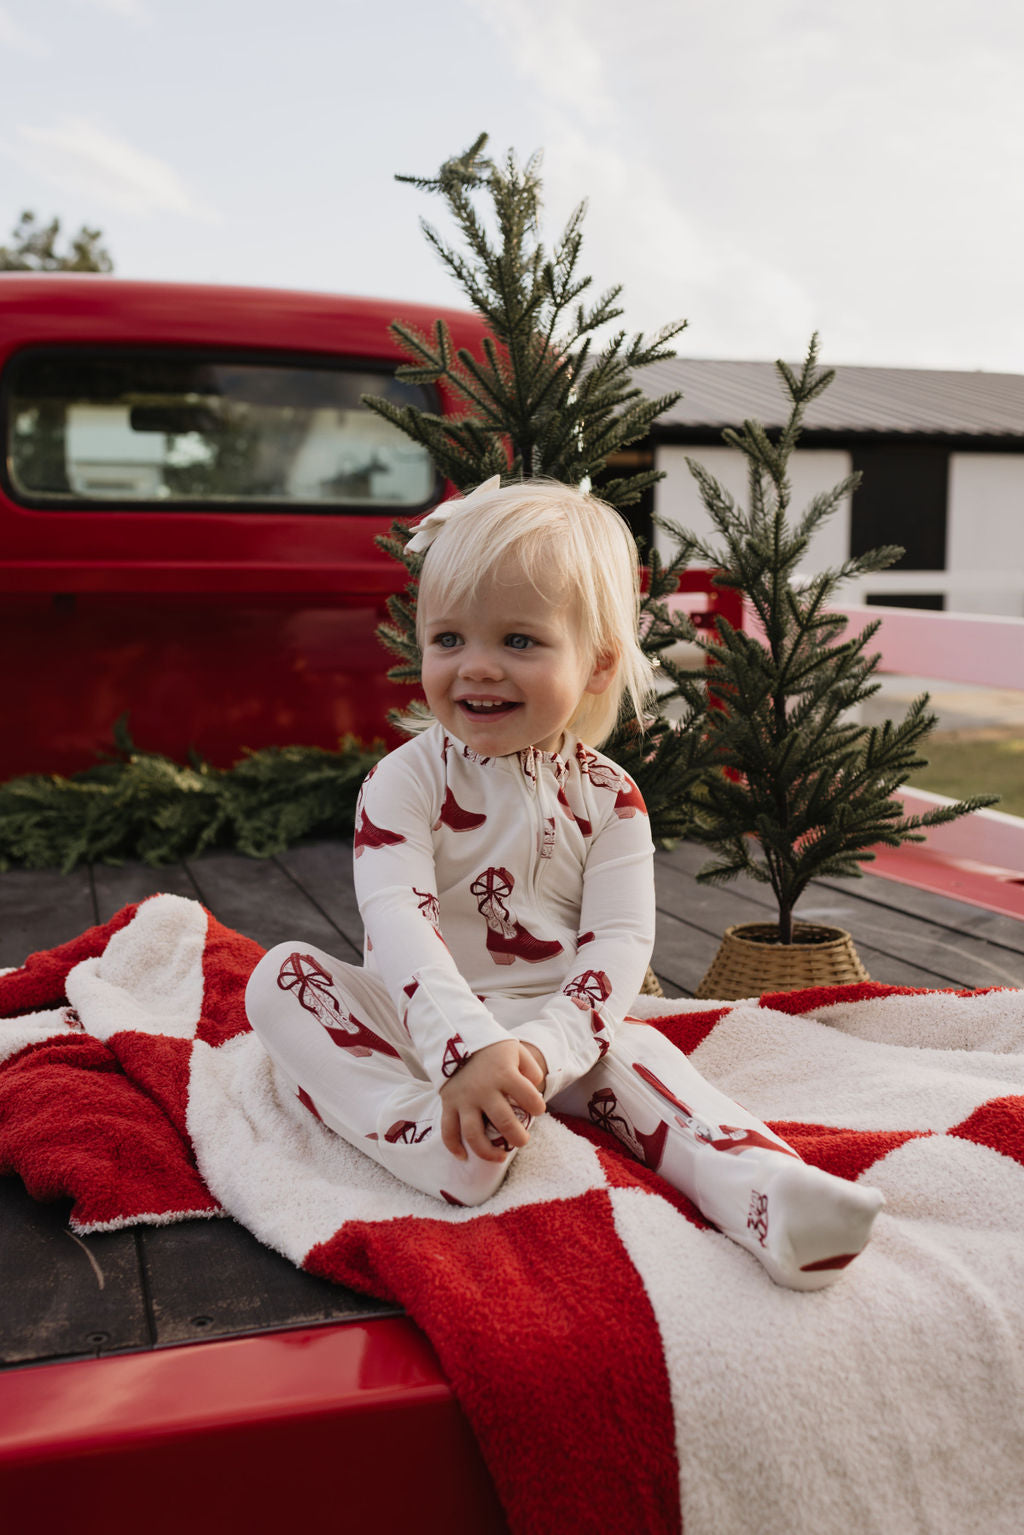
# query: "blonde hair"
{"type": "Point", "coordinates": [576, 550]}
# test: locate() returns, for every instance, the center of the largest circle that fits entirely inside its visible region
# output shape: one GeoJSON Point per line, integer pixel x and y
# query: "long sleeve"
{"type": "Point", "coordinates": [575, 1026]}
{"type": "Point", "coordinates": [397, 890]}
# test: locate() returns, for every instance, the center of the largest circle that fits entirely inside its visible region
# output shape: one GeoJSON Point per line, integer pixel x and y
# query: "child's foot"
{"type": "Point", "coordinates": [806, 1226]}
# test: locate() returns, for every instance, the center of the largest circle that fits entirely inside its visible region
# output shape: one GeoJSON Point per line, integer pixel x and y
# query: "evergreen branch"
{"type": "Point", "coordinates": [143, 805]}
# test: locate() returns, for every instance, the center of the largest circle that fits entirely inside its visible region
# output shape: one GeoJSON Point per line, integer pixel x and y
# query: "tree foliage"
{"type": "Point", "coordinates": [540, 401]}
{"type": "Point", "coordinates": [33, 248]}
{"type": "Point", "coordinates": [794, 789]}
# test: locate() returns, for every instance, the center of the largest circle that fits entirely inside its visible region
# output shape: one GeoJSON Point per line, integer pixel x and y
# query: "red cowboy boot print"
{"type": "Point", "coordinates": [455, 1055]}
{"type": "Point", "coordinates": [311, 984]}
{"type": "Point", "coordinates": [366, 835]}
{"type": "Point", "coordinates": [588, 989]}
{"type": "Point", "coordinates": [605, 1112]}
{"type": "Point", "coordinates": [407, 1133]}
{"type": "Point", "coordinates": [629, 801]}
{"type": "Point", "coordinates": [601, 774]}
{"type": "Point", "coordinates": [496, 1138]}
{"type": "Point", "coordinates": [757, 1217]}
{"type": "Point", "coordinates": [455, 817]}
{"type": "Point", "coordinates": [357, 1039]}
{"type": "Point", "coordinates": [410, 988]}
{"type": "Point", "coordinates": [728, 1138]}
{"type": "Point", "coordinates": [307, 1103]}
{"type": "Point", "coordinates": [430, 907]}
{"type": "Point", "coordinates": [507, 939]}
{"type": "Point", "coordinates": [585, 826]}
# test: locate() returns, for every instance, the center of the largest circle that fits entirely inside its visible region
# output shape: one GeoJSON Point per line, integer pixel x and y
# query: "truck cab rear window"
{"type": "Point", "coordinates": [162, 428]}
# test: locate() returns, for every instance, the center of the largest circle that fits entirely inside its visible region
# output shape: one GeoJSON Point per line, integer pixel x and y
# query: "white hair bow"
{"type": "Point", "coordinates": [429, 526]}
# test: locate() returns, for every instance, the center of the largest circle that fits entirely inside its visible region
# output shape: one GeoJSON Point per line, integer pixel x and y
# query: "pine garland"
{"type": "Point", "coordinates": [140, 804]}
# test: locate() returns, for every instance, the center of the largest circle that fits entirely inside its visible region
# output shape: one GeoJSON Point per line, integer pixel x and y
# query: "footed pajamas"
{"type": "Point", "coordinates": [515, 896]}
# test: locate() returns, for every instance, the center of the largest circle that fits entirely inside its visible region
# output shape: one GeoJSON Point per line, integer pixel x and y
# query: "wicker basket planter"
{"type": "Point", "coordinates": [751, 961]}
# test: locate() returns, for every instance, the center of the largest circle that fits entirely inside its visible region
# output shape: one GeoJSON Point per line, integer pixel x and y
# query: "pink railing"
{"type": "Point", "coordinates": [980, 857]}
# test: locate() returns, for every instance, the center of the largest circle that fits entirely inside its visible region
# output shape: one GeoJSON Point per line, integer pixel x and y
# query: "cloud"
{"type": "Point", "coordinates": [671, 250]}
{"type": "Point", "coordinates": [80, 156]}
{"type": "Point", "coordinates": [671, 261]}
{"type": "Point", "coordinates": [14, 36]}
{"type": "Point", "coordinates": [555, 46]}
{"type": "Point", "coordinates": [129, 10]}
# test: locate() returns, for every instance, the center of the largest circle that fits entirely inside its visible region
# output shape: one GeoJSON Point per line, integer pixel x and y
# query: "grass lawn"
{"type": "Point", "coordinates": [965, 762]}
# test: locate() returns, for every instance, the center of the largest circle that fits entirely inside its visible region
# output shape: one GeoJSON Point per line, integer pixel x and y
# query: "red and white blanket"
{"type": "Point", "coordinates": [623, 1364]}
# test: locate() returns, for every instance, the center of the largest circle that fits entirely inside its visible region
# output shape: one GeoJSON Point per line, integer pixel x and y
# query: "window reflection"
{"type": "Point", "coordinates": [162, 428]}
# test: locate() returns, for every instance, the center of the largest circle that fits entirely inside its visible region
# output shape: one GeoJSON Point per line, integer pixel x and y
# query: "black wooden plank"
{"type": "Point", "coordinates": [682, 954]}
{"type": "Point", "coordinates": [941, 910]}
{"type": "Point", "coordinates": [709, 908]}
{"type": "Point", "coordinates": [64, 1296]}
{"type": "Point", "coordinates": [324, 871]}
{"type": "Point", "coordinates": [117, 886]}
{"type": "Point", "coordinates": [212, 1279]}
{"type": "Point", "coordinates": [258, 898]}
{"type": "Point", "coordinates": [40, 908]}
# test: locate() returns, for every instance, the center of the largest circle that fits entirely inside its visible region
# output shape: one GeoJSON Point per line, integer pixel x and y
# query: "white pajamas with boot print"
{"type": "Point", "coordinates": [515, 896]}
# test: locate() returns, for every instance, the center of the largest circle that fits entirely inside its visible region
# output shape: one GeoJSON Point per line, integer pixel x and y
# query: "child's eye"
{"type": "Point", "coordinates": [446, 641]}
{"type": "Point", "coordinates": [518, 641]}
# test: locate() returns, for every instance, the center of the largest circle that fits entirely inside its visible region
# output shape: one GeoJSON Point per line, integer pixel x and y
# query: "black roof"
{"type": "Point", "coordinates": [905, 402]}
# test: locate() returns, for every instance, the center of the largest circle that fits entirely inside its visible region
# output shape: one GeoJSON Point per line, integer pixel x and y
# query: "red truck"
{"type": "Point", "coordinates": [189, 496]}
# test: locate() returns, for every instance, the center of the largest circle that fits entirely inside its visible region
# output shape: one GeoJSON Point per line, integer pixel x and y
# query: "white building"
{"type": "Point", "coordinates": [941, 455]}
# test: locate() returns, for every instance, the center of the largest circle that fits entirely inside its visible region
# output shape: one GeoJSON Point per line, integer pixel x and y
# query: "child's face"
{"type": "Point", "coordinates": [505, 669]}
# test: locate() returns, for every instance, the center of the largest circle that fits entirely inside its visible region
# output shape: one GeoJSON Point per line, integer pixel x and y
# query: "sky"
{"type": "Point", "coordinates": [763, 168]}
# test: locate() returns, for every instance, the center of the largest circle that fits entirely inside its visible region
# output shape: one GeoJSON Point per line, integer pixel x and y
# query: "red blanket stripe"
{"type": "Point", "coordinates": [688, 1030]}
{"type": "Point", "coordinates": [998, 1124]}
{"type": "Point", "coordinates": [228, 961]}
{"type": "Point", "coordinates": [845, 1153]}
{"type": "Point", "coordinates": [813, 998]}
{"type": "Point", "coordinates": [554, 1283]}
{"type": "Point", "coordinates": [72, 1125]}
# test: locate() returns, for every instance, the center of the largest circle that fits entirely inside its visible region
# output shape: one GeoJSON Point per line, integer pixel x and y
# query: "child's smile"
{"type": "Point", "coordinates": [504, 669]}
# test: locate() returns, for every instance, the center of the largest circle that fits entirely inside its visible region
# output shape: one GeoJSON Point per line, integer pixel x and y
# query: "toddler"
{"type": "Point", "coordinates": [504, 873]}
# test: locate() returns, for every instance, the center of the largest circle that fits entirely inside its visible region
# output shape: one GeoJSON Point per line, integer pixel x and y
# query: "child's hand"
{"type": "Point", "coordinates": [532, 1064]}
{"type": "Point", "coordinates": [492, 1081]}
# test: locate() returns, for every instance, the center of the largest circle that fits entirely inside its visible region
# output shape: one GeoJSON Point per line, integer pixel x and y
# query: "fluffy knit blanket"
{"type": "Point", "coordinates": [623, 1365]}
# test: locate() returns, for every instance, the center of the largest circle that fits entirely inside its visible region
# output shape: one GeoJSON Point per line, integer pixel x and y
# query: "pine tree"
{"type": "Point", "coordinates": [795, 791]}
{"type": "Point", "coordinates": [537, 403]}
{"type": "Point", "coordinates": [542, 401]}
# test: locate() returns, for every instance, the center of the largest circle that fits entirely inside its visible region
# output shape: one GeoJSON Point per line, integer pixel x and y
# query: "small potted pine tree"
{"type": "Point", "coordinates": [794, 788]}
